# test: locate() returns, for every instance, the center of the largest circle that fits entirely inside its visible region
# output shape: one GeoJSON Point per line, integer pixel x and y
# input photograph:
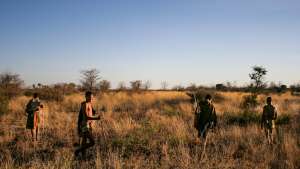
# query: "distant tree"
{"type": "Point", "coordinates": [164, 85]}
{"type": "Point", "coordinates": [136, 85]}
{"type": "Point", "coordinates": [72, 86]}
{"type": "Point", "coordinates": [11, 84]}
{"type": "Point", "coordinates": [104, 85]}
{"type": "Point", "coordinates": [178, 88]}
{"type": "Point", "coordinates": [295, 89]}
{"type": "Point", "coordinates": [220, 86]}
{"type": "Point", "coordinates": [257, 78]}
{"type": "Point", "coordinates": [39, 85]}
{"type": "Point", "coordinates": [146, 85]}
{"type": "Point", "coordinates": [121, 86]}
{"type": "Point", "coordinates": [279, 88]}
{"type": "Point", "coordinates": [192, 87]}
{"type": "Point", "coordinates": [250, 102]}
{"type": "Point", "coordinates": [90, 79]}
{"type": "Point", "coordinates": [283, 88]}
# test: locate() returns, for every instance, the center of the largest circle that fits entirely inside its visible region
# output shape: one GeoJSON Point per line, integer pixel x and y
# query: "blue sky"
{"type": "Point", "coordinates": [178, 41]}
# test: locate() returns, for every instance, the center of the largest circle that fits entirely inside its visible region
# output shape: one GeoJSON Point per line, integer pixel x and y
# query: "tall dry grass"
{"type": "Point", "coordinates": [149, 130]}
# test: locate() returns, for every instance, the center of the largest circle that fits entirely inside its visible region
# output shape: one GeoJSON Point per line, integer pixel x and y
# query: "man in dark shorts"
{"type": "Point", "coordinates": [85, 124]}
{"type": "Point", "coordinates": [269, 116]}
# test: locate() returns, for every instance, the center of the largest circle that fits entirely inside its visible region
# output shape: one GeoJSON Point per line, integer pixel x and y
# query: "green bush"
{"type": "Point", "coordinates": [283, 119]}
{"type": "Point", "coordinates": [242, 119]}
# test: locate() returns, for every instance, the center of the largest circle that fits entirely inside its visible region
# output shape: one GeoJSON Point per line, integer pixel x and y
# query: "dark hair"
{"type": "Point", "coordinates": [88, 94]}
{"type": "Point", "coordinates": [35, 95]}
{"type": "Point", "coordinates": [208, 97]}
{"type": "Point", "coordinates": [269, 99]}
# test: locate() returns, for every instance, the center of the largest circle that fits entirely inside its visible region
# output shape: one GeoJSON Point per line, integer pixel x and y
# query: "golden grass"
{"type": "Point", "coordinates": [148, 130]}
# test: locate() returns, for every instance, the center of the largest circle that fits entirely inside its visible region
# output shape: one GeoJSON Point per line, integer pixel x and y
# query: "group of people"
{"type": "Point", "coordinates": [86, 116]}
{"type": "Point", "coordinates": [205, 119]}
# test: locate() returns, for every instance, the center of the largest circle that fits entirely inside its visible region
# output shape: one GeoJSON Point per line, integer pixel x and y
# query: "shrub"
{"type": "Point", "coordinates": [221, 87]}
{"type": "Point", "coordinates": [136, 85]}
{"type": "Point", "coordinates": [104, 85]}
{"type": "Point", "coordinates": [10, 84]}
{"type": "Point", "coordinates": [125, 106]}
{"type": "Point", "coordinates": [249, 101]}
{"type": "Point", "coordinates": [242, 119]}
{"type": "Point", "coordinates": [47, 93]}
{"type": "Point", "coordinates": [200, 95]}
{"type": "Point", "coordinates": [3, 103]}
{"type": "Point", "coordinates": [283, 119]}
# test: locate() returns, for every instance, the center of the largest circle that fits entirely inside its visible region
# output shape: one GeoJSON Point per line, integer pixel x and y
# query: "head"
{"type": "Point", "coordinates": [208, 98]}
{"type": "Point", "coordinates": [269, 100]}
{"type": "Point", "coordinates": [88, 96]}
{"type": "Point", "coordinates": [35, 95]}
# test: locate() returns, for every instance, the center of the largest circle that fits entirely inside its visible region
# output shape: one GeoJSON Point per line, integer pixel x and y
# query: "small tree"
{"type": "Point", "coordinates": [104, 85]}
{"type": "Point", "coordinates": [295, 89]}
{"type": "Point", "coordinates": [257, 78]}
{"type": "Point", "coordinates": [192, 87]}
{"type": "Point", "coordinates": [178, 88]}
{"type": "Point", "coordinates": [89, 79]}
{"type": "Point", "coordinates": [220, 87]}
{"type": "Point", "coordinates": [136, 85]}
{"type": "Point", "coordinates": [257, 83]}
{"type": "Point", "coordinates": [147, 85]}
{"type": "Point", "coordinates": [164, 85]}
{"type": "Point", "coordinates": [121, 86]}
{"type": "Point", "coordinates": [11, 84]}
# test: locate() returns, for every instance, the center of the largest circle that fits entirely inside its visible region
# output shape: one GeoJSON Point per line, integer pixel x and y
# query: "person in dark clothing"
{"type": "Point", "coordinates": [85, 124]}
{"type": "Point", "coordinates": [206, 116]}
{"type": "Point", "coordinates": [268, 118]}
{"type": "Point", "coordinates": [32, 110]}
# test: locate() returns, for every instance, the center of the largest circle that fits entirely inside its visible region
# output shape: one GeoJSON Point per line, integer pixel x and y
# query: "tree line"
{"type": "Point", "coordinates": [11, 84]}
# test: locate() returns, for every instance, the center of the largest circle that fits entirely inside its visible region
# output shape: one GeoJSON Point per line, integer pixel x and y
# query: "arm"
{"type": "Point", "coordinates": [275, 114]}
{"type": "Point", "coordinates": [263, 118]}
{"type": "Point", "coordinates": [93, 118]}
{"type": "Point", "coordinates": [88, 116]}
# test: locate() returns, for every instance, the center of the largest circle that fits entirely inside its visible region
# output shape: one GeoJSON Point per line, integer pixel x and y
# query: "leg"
{"type": "Point", "coordinates": [266, 133]}
{"type": "Point", "coordinates": [269, 137]}
{"type": "Point", "coordinates": [87, 135]}
{"type": "Point", "coordinates": [204, 145]}
{"type": "Point", "coordinates": [272, 132]}
{"type": "Point", "coordinates": [36, 133]}
{"type": "Point", "coordinates": [32, 134]}
{"type": "Point", "coordinates": [82, 142]}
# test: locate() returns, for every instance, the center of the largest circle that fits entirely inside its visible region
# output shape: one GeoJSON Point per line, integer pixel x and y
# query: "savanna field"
{"type": "Point", "coordinates": [152, 129]}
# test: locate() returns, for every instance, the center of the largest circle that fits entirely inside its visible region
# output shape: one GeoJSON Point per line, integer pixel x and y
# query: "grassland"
{"type": "Point", "coordinates": [152, 130]}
